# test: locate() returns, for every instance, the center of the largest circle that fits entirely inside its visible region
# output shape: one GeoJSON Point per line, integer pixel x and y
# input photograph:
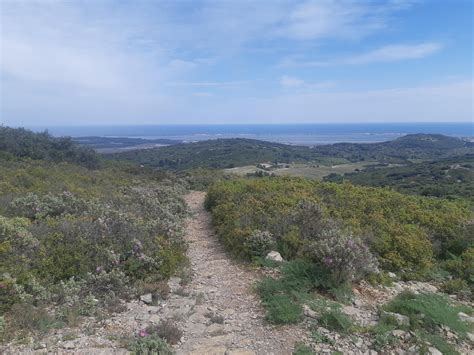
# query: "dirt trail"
{"type": "Point", "coordinates": [224, 288]}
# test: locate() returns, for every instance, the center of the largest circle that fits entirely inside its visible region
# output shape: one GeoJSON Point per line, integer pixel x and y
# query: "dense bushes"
{"type": "Point", "coordinates": [20, 142]}
{"type": "Point", "coordinates": [83, 240]}
{"type": "Point", "coordinates": [406, 233]}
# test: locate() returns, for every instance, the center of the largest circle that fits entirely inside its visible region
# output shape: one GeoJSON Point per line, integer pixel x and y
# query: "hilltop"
{"type": "Point", "coordinates": [409, 147]}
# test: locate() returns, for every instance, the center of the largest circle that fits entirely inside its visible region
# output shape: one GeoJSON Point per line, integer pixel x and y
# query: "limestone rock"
{"type": "Point", "coordinates": [215, 329]}
{"type": "Point", "coordinates": [68, 345]}
{"type": "Point", "coordinates": [465, 318]}
{"type": "Point", "coordinates": [399, 333]}
{"type": "Point", "coordinates": [274, 256]}
{"type": "Point", "coordinates": [470, 336]}
{"type": "Point", "coordinates": [147, 298]}
{"type": "Point", "coordinates": [240, 352]}
{"type": "Point", "coordinates": [399, 318]}
{"type": "Point", "coordinates": [308, 312]}
{"type": "Point", "coordinates": [434, 351]}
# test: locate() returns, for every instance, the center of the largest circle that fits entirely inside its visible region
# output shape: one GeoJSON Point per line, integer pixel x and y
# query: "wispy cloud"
{"type": "Point", "coordinates": [338, 18]}
{"type": "Point", "coordinates": [294, 83]}
{"type": "Point", "coordinates": [394, 53]}
{"type": "Point", "coordinates": [290, 81]}
{"type": "Point", "coordinates": [109, 61]}
{"type": "Point", "coordinates": [209, 83]}
{"type": "Point", "coordinates": [388, 53]}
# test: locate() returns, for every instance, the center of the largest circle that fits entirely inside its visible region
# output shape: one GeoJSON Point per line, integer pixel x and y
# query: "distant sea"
{"type": "Point", "coordinates": [299, 134]}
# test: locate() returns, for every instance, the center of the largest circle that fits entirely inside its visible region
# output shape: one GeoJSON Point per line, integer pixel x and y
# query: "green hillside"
{"type": "Point", "coordinates": [229, 153]}
{"type": "Point", "coordinates": [450, 177]}
{"type": "Point", "coordinates": [400, 150]}
{"type": "Point", "coordinates": [220, 154]}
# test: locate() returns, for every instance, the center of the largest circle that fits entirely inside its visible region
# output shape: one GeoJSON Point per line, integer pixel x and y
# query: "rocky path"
{"type": "Point", "coordinates": [226, 317]}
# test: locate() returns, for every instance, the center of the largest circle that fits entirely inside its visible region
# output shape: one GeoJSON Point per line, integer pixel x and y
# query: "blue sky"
{"type": "Point", "coordinates": [159, 62]}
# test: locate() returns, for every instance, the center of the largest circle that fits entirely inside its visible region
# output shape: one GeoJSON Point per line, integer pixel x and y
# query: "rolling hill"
{"type": "Point", "coordinates": [228, 153]}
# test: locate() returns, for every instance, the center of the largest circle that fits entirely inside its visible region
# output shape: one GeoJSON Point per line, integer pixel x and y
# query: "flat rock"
{"type": "Point", "coordinates": [240, 352]}
{"type": "Point", "coordinates": [68, 345]}
{"type": "Point", "coordinates": [274, 256]}
{"type": "Point", "coordinates": [147, 298]}
{"type": "Point", "coordinates": [215, 329]}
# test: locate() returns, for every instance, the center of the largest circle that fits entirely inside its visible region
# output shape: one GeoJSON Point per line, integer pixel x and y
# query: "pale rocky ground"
{"type": "Point", "coordinates": [223, 287]}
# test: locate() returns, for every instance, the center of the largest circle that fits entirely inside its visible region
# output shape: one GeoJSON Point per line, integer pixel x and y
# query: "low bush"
{"type": "Point", "coordinates": [302, 349]}
{"type": "Point", "coordinates": [84, 243]}
{"type": "Point", "coordinates": [149, 345]}
{"type": "Point", "coordinates": [334, 319]}
{"type": "Point", "coordinates": [344, 256]}
{"type": "Point", "coordinates": [283, 309]}
{"type": "Point", "coordinates": [457, 287]}
{"type": "Point", "coordinates": [260, 243]}
{"type": "Point", "coordinates": [430, 311]}
{"type": "Point", "coordinates": [167, 330]}
{"type": "Point", "coordinates": [284, 297]}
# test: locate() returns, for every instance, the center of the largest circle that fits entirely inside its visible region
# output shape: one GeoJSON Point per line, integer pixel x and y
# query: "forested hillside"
{"type": "Point", "coordinates": [23, 143]}
{"type": "Point", "coordinates": [228, 153]}
{"type": "Point", "coordinates": [450, 177]}
{"type": "Point", "coordinates": [219, 154]}
{"type": "Point", "coordinates": [400, 150]}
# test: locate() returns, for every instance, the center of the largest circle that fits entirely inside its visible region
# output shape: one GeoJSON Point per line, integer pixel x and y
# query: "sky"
{"type": "Point", "coordinates": [118, 62]}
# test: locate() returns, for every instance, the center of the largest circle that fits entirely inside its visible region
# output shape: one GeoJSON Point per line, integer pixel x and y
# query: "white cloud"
{"type": "Point", "coordinates": [145, 61]}
{"type": "Point", "coordinates": [388, 53]}
{"type": "Point", "coordinates": [393, 53]}
{"type": "Point", "coordinates": [290, 81]}
{"type": "Point", "coordinates": [317, 19]}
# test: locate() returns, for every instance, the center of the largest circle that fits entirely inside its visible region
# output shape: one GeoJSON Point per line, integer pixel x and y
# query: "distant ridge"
{"type": "Point", "coordinates": [226, 153]}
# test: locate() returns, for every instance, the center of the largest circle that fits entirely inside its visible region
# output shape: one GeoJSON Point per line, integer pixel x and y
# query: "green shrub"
{"type": "Point", "coordinates": [283, 297]}
{"type": "Point", "coordinates": [81, 241]}
{"type": "Point", "coordinates": [282, 309]}
{"type": "Point", "coordinates": [457, 287]}
{"type": "Point", "coordinates": [259, 243]}
{"type": "Point", "coordinates": [382, 334]}
{"type": "Point", "coordinates": [461, 266]}
{"type": "Point", "coordinates": [149, 345]}
{"type": "Point", "coordinates": [429, 311]}
{"type": "Point", "coordinates": [302, 349]}
{"type": "Point", "coordinates": [336, 320]}
{"type": "Point", "coordinates": [405, 233]}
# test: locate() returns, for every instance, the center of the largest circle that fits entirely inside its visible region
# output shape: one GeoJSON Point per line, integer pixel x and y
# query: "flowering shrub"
{"type": "Point", "coordinates": [84, 243]}
{"type": "Point", "coordinates": [407, 233]}
{"type": "Point", "coordinates": [343, 255]}
{"type": "Point", "coordinates": [149, 345]}
{"type": "Point", "coordinates": [259, 243]}
{"type": "Point", "coordinates": [35, 207]}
